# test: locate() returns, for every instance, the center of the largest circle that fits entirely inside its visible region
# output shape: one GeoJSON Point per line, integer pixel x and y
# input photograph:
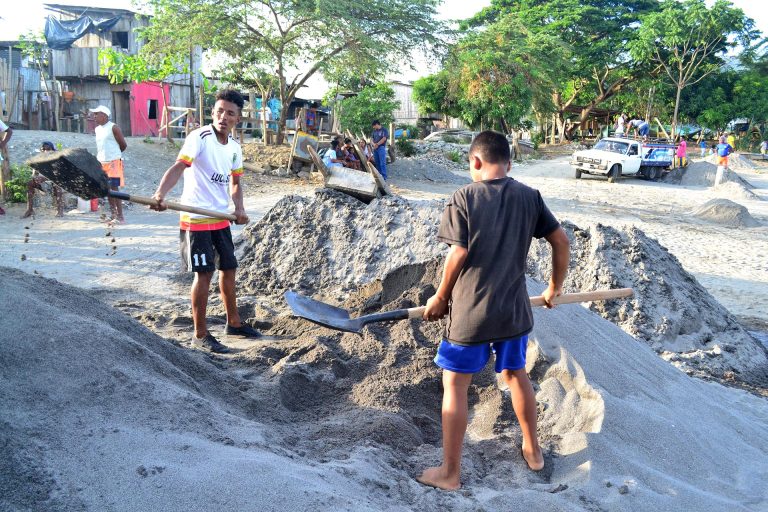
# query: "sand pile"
{"type": "Point", "coordinates": [671, 311]}
{"type": "Point", "coordinates": [702, 174]}
{"type": "Point", "coordinates": [333, 242]}
{"type": "Point", "coordinates": [736, 161]}
{"type": "Point", "coordinates": [274, 156]}
{"type": "Point", "coordinates": [100, 414]}
{"type": "Point", "coordinates": [725, 212]}
{"type": "Point", "coordinates": [432, 166]}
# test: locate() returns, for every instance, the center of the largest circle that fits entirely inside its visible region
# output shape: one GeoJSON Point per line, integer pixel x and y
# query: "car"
{"type": "Point", "coordinates": [617, 156]}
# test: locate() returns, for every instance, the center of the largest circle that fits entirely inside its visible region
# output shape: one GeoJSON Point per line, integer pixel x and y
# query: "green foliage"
{"type": "Point", "coordinates": [17, 185]}
{"type": "Point", "coordinates": [405, 146]}
{"type": "Point", "coordinates": [431, 95]}
{"type": "Point", "coordinates": [148, 140]}
{"type": "Point", "coordinates": [498, 74]}
{"type": "Point", "coordinates": [687, 40]}
{"type": "Point", "coordinates": [121, 67]}
{"type": "Point", "coordinates": [376, 102]}
{"type": "Point", "coordinates": [295, 39]}
{"type": "Point", "coordinates": [455, 156]}
{"type": "Point", "coordinates": [411, 130]}
{"type": "Point", "coordinates": [452, 139]}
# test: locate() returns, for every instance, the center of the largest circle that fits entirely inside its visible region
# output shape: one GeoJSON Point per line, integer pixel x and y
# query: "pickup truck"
{"type": "Point", "coordinates": [616, 156]}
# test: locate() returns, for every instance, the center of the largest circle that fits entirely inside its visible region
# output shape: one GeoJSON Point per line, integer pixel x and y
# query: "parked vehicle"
{"type": "Point", "coordinates": [616, 156]}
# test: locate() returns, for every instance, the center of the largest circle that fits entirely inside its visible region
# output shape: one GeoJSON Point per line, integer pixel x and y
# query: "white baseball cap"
{"type": "Point", "coordinates": [102, 109]}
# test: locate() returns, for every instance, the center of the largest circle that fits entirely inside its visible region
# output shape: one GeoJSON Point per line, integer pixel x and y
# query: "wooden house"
{"type": "Point", "coordinates": [22, 100]}
{"type": "Point", "coordinates": [137, 108]}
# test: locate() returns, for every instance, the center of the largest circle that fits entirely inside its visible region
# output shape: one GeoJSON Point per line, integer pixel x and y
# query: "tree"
{"type": "Point", "coordinates": [495, 76]}
{"type": "Point", "coordinates": [294, 39]}
{"type": "Point", "coordinates": [596, 31]}
{"type": "Point", "coordinates": [687, 40]}
{"type": "Point", "coordinates": [431, 95]}
{"type": "Point", "coordinates": [375, 102]}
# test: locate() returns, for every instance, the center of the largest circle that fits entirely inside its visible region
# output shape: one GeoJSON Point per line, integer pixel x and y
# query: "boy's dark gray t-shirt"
{"type": "Point", "coordinates": [495, 221]}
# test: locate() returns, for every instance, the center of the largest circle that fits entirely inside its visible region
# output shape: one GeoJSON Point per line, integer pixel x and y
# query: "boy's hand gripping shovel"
{"type": "Point", "coordinates": [337, 318]}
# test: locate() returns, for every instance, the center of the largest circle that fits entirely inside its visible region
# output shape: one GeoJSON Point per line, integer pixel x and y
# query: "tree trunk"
{"type": "Point", "coordinates": [677, 107]}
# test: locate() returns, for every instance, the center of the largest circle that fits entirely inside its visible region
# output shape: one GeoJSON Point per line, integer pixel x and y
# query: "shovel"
{"type": "Point", "coordinates": [80, 173]}
{"type": "Point", "coordinates": [337, 318]}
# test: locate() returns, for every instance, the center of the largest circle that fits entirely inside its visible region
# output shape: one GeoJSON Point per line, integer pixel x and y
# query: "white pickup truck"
{"type": "Point", "coordinates": [615, 157]}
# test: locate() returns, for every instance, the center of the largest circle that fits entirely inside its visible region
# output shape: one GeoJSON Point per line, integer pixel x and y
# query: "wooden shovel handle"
{"type": "Point", "coordinates": [173, 206]}
{"type": "Point", "coordinates": [566, 298]}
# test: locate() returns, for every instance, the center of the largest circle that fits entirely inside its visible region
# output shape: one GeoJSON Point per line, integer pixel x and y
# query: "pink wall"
{"type": "Point", "coordinates": [141, 94]}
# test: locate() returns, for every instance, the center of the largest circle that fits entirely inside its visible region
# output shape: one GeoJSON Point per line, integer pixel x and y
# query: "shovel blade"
{"type": "Point", "coordinates": [321, 313]}
{"type": "Point", "coordinates": [75, 170]}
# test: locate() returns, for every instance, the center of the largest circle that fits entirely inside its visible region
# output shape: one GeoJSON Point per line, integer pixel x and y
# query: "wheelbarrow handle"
{"type": "Point", "coordinates": [566, 298]}
{"type": "Point", "coordinates": [172, 206]}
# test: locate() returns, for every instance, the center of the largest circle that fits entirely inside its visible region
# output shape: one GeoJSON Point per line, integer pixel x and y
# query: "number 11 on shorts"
{"type": "Point", "coordinates": [198, 258]}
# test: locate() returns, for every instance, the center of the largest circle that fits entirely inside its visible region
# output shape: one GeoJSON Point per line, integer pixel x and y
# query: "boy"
{"type": "Point", "coordinates": [38, 182]}
{"type": "Point", "coordinates": [489, 225]}
{"type": "Point", "coordinates": [331, 157]}
{"type": "Point", "coordinates": [211, 162]}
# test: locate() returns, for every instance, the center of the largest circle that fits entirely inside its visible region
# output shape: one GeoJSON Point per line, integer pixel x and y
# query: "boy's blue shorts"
{"type": "Point", "coordinates": [510, 355]}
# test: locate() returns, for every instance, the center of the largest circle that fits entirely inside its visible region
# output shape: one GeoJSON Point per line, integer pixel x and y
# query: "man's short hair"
{"type": "Point", "coordinates": [375, 122]}
{"type": "Point", "coordinates": [47, 146]}
{"type": "Point", "coordinates": [334, 144]}
{"type": "Point", "coordinates": [231, 96]}
{"type": "Point", "coordinates": [492, 147]}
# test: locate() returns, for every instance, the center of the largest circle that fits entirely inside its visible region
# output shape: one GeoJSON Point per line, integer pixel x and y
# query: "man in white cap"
{"type": "Point", "coordinates": [110, 145]}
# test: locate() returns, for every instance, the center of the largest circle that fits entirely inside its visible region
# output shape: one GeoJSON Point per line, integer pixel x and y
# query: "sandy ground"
{"type": "Point", "coordinates": [732, 263]}
{"type": "Point", "coordinates": [108, 415]}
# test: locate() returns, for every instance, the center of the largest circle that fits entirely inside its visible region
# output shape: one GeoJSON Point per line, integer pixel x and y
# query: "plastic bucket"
{"type": "Point", "coordinates": [94, 205]}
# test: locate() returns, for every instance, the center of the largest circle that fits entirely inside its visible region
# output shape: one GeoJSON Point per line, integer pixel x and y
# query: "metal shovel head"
{"type": "Point", "coordinates": [322, 313]}
{"type": "Point", "coordinates": [75, 170]}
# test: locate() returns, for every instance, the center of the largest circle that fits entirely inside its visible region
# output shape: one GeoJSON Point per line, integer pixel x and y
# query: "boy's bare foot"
{"type": "Point", "coordinates": [437, 477]}
{"type": "Point", "coordinates": [27, 214]}
{"type": "Point", "coordinates": [533, 457]}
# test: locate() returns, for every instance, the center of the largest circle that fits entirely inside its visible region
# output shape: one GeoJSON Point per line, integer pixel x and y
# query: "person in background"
{"type": "Point", "coordinates": [682, 152]}
{"type": "Point", "coordinates": [365, 150]}
{"type": "Point", "coordinates": [40, 182]}
{"type": "Point", "coordinates": [110, 145]}
{"type": "Point", "coordinates": [619, 128]}
{"type": "Point", "coordinates": [348, 155]}
{"type": "Point", "coordinates": [732, 141]}
{"type": "Point", "coordinates": [723, 150]}
{"type": "Point", "coordinates": [703, 147]}
{"type": "Point", "coordinates": [379, 139]}
{"type": "Point", "coordinates": [331, 157]}
{"type": "Point", "coordinates": [764, 148]}
{"type": "Point", "coordinates": [6, 132]}
{"type": "Point", "coordinates": [311, 119]}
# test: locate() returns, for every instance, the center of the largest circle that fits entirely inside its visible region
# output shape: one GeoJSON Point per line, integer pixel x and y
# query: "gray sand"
{"type": "Point", "coordinates": [101, 414]}
{"type": "Point", "coordinates": [725, 212]}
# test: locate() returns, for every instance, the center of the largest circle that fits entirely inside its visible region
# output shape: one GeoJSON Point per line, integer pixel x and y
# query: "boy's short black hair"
{"type": "Point", "coordinates": [375, 122]}
{"type": "Point", "coordinates": [334, 144]}
{"type": "Point", "coordinates": [347, 141]}
{"type": "Point", "coordinates": [491, 147]}
{"type": "Point", "coordinates": [231, 96]}
{"type": "Point", "coordinates": [47, 146]}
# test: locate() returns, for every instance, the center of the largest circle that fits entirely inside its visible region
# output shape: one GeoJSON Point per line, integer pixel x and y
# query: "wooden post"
{"type": "Point", "coordinates": [201, 119]}
{"type": "Point", "coordinates": [293, 148]}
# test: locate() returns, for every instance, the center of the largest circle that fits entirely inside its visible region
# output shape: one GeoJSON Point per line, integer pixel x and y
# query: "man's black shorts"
{"type": "Point", "coordinates": [200, 250]}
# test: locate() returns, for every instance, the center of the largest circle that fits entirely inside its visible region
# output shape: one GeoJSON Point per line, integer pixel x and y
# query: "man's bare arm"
{"type": "Point", "coordinates": [560, 244]}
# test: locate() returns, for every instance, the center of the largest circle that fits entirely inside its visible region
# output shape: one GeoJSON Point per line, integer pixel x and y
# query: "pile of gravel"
{"type": "Point", "coordinates": [725, 212]}
{"type": "Point", "coordinates": [671, 311]}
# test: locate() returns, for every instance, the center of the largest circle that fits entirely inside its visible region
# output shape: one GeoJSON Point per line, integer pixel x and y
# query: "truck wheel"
{"type": "Point", "coordinates": [577, 173]}
{"type": "Point", "coordinates": [653, 173]}
{"type": "Point", "coordinates": [614, 173]}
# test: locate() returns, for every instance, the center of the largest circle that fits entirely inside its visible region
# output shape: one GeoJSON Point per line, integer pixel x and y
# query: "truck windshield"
{"type": "Point", "coordinates": [612, 146]}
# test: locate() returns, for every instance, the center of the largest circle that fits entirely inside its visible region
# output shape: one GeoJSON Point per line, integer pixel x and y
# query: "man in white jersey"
{"type": "Point", "coordinates": [110, 145]}
{"type": "Point", "coordinates": [211, 162]}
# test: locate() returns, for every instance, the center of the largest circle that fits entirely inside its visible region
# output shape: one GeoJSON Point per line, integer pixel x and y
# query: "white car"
{"type": "Point", "coordinates": [616, 156]}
